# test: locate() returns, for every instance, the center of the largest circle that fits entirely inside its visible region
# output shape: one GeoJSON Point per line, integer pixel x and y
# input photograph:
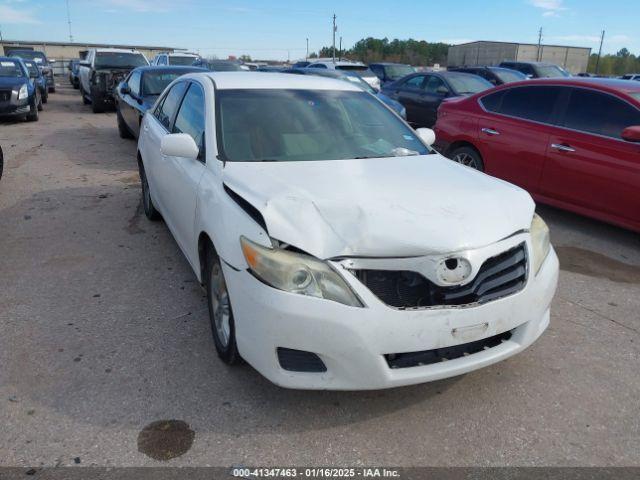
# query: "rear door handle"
{"type": "Point", "coordinates": [562, 148]}
{"type": "Point", "coordinates": [490, 131]}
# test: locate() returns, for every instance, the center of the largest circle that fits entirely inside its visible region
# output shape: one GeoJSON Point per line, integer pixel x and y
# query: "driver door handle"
{"type": "Point", "coordinates": [490, 131]}
{"type": "Point", "coordinates": [562, 147]}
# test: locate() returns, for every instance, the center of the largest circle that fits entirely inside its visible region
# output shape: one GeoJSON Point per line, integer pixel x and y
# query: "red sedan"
{"type": "Point", "coordinates": [572, 143]}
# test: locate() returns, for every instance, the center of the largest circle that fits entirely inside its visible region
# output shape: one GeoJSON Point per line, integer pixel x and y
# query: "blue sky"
{"type": "Point", "coordinates": [278, 28]}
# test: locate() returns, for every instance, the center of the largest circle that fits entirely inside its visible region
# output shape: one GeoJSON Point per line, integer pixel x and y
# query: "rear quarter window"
{"type": "Point", "coordinates": [528, 103]}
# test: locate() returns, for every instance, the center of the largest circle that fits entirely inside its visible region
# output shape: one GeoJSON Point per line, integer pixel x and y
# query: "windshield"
{"type": "Point", "coordinates": [361, 69]}
{"type": "Point", "coordinates": [119, 60]}
{"type": "Point", "coordinates": [154, 83]}
{"type": "Point", "coordinates": [508, 76]}
{"type": "Point", "coordinates": [185, 61]}
{"type": "Point", "coordinates": [468, 84]}
{"type": "Point", "coordinates": [222, 66]}
{"type": "Point", "coordinates": [10, 68]}
{"type": "Point", "coordinates": [306, 125]}
{"type": "Point", "coordinates": [550, 71]}
{"type": "Point", "coordinates": [395, 72]}
{"type": "Point", "coordinates": [37, 57]}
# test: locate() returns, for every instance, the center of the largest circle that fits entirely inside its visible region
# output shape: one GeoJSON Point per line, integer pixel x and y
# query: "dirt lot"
{"type": "Point", "coordinates": [104, 331]}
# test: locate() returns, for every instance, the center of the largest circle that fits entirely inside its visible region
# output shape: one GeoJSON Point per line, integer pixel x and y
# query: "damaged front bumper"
{"type": "Point", "coordinates": [309, 343]}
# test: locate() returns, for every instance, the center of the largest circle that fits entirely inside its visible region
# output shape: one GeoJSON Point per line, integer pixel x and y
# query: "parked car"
{"type": "Point", "coordinates": [356, 79]}
{"type": "Point", "coordinates": [41, 59]}
{"type": "Point", "coordinates": [301, 64]}
{"type": "Point", "coordinates": [493, 75]}
{"type": "Point", "coordinates": [272, 68]}
{"type": "Point", "coordinates": [102, 70]}
{"type": "Point", "coordinates": [36, 76]}
{"type": "Point", "coordinates": [219, 65]}
{"type": "Point", "coordinates": [572, 143]}
{"type": "Point", "coordinates": [391, 72]}
{"type": "Point", "coordinates": [73, 67]}
{"type": "Point", "coordinates": [537, 69]}
{"type": "Point", "coordinates": [422, 93]}
{"type": "Point", "coordinates": [338, 250]}
{"type": "Point", "coordinates": [631, 76]}
{"type": "Point", "coordinates": [354, 67]}
{"type": "Point", "coordinates": [139, 91]}
{"type": "Point", "coordinates": [178, 59]}
{"type": "Point", "coordinates": [1, 162]}
{"type": "Point", "coordinates": [19, 96]}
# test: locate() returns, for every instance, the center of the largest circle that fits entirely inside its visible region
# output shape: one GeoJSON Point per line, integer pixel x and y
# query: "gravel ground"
{"type": "Point", "coordinates": [106, 356]}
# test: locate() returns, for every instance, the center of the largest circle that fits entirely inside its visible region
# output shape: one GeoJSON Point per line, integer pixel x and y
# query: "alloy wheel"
{"type": "Point", "coordinates": [221, 306]}
{"type": "Point", "coordinates": [466, 159]}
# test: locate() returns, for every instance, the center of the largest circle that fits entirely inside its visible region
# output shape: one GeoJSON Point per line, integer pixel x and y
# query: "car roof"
{"type": "Point", "coordinates": [340, 63]}
{"type": "Point", "coordinates": [388, 63]}
{"type": "Point", "coordinates": [604, 84]}
{"type": "Point", "coordinates": [182, 54]}
{"type": "Point", "coordinates": [268, 80]}
{"type": "Point", "coordinates": [116, 50]}
{"type": "Point", "coordinates": [170, 68]}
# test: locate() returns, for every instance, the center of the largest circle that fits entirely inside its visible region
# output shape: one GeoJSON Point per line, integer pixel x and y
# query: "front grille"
{"type": "Point", "coordinates": [300, 361]}
{"type": "Point", "coordinates": [428, 357]}
{"type": "Point", "coordinates": [498, 277]}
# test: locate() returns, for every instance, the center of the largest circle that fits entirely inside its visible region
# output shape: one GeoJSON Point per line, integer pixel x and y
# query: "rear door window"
{"type": "Point", "coordinates": [414, 82]}
{"type": "Point", "coordinates": [529, 103]}
{"type": "Point", "coordinates": [134, 83]}
{"type": "Point", "coordinates": [599, 113]}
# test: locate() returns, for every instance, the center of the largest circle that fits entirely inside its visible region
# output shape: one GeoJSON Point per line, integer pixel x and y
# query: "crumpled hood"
{"type": "Point", "coordinates": [384, 207]}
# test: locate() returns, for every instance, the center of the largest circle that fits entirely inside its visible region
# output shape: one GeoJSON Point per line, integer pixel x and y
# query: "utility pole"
{"type": "Point", "coordinates": [307, 57]}
{"type": "Point", "coordinates": [340, 49]}
{"type": "Point", "coordinates": [539, 45]}
{"type": "Point", "coordinates": [333, 48]}
{"type": "Point", "coordinates": [69, 22]}
{"type": "Point", "coordinates": [599, 52]}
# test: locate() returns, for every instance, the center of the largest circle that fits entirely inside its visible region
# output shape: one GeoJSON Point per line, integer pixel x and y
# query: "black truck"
{"type": "Point", "coordinates": [102, 70]}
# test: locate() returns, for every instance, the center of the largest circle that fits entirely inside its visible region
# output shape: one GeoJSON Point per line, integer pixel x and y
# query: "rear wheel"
{"type": "Point", "coordinates": [40, 101]}
{"type": "Point", "coordinates": [85, 100]}
{"type": "Point", "coordinates": [468, 156]}
{"type": "Point", "coordinates": [45, 97]}
{"type": "Point", "coordinates": [149, 209]}
{"type": "Point", "coordinates": [220, 312]}
{"type": "Point", "coordinates": [123, 130]}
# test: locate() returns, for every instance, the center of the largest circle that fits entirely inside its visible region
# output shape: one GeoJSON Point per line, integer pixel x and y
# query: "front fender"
{"type": "Point", "coordinates": [224, 221]}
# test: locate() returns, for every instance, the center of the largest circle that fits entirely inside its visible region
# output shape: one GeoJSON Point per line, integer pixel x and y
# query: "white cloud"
{"type": "Point", "coordinates": [9, 14]}
{"type": "Point", "coordinates": [550, 8]}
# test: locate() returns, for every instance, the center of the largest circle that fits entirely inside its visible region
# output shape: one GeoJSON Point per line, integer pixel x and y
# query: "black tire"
{"type": "Point", "coordinates": [219, 303]}
{"type": "Point", "coordinates": [76, 86]}
{"type": "Point", "coordinates": [1, 163]}
{"type": "Point", "coordinates": [97, 104]}
{"type": "Point", "coordinates": [52, 89]}
{"type": "Point", "coordinates": [123, 130]}
{"type": "Point", "coordinates": [147, 203]}
{"type": "Point", "coordinates": [467, 156]}
{"type": "Point", "coordinates": [40, 101]}
{"type": "Point", "coordinates": [33, 115]}
{"type": "Point", "coordinates": [45, 97]}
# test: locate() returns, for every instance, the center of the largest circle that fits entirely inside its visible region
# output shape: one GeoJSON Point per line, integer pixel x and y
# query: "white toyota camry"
{"type": "Point", "coordinates": [338, 250]}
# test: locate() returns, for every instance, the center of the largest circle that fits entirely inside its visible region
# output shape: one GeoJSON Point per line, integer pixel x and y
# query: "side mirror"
{"type": "Point", "coordinates": [427, 135]}
{"type": "Point", "coordinates": [631, 134]}
{"type": "Point", "coordinates": [179, 145]}
{"type": "Point", "coordinates": [124, 89]}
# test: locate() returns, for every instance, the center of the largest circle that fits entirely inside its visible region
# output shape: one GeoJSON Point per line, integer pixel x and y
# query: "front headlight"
{"type": "Point", "coordinates": [540, 244]}
{"type": "Point", "coordinates": [297, 273]}
{"type": "Point", "coordinates": [23, 92]}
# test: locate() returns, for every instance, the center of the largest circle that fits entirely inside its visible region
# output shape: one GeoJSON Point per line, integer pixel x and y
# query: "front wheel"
{"type": "Point", "coordinates": [468, 156]}
{"type": "Point", "coordinates": [123, 130]}
{"type": "Point", "coordinates": [220, 311]}
{"type": "Point", "coordinates": [33, 115]}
